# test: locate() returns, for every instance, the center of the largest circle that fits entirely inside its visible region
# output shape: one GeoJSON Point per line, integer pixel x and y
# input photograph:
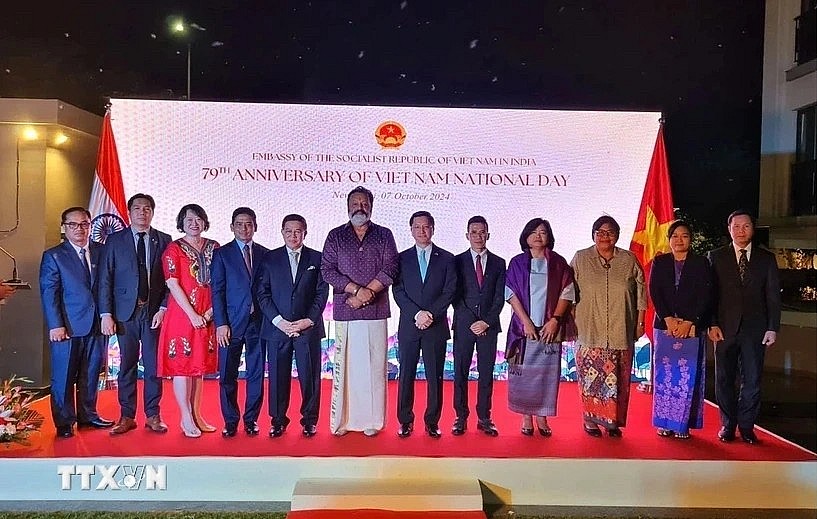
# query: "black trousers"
{"type": "Point", "coordinates": [408, 354]}
{"type": "Point", "coordinates": [464, 343]}
{"type": "Point", "coordinates": [738, 372]}
{"type": "Point", "coordinates": [136, 336]}
{"type": "Point", "coordinates": [307, 351]}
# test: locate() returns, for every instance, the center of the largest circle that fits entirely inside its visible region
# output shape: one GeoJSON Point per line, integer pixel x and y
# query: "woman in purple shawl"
{"type": "Point", "coordinates": [539, 288]}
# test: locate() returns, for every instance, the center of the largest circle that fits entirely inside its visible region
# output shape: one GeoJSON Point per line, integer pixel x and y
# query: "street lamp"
{"type": "Point", "coordinates": [180, 28]}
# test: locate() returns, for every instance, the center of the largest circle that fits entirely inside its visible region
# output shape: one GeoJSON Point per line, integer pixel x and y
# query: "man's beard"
{"type": "Point", "coordinates": [359, 218]}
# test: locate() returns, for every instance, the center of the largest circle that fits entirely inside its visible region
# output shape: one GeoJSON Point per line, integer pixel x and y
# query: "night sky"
{"type": "Point", "coordinates": [698, 62]}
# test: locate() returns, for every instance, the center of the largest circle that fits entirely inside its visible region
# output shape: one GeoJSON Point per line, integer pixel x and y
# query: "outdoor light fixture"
{"type": "Point", "coordinates": [30, 134]}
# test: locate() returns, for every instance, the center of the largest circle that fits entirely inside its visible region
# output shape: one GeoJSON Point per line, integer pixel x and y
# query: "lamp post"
{"type": "Point", "coordinates": [180, 28]}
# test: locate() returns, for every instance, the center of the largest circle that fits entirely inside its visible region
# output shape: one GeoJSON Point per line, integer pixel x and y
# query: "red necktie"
{"type": "Point", "coordinates": [480, 275]}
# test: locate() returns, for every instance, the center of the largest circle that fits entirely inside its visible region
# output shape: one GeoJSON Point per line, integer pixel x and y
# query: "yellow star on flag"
{"type": "Point", "coordinates": [653, 237]}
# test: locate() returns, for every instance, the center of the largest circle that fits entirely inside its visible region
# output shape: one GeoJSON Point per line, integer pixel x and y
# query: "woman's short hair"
{"type": "Point", "coordinates": [605, 219]}
{"type": "Point", "coordinates": [528, 230]}
{"type": "Point", "coordinates": [197, 210]}
{"type": "Point", "coordinates": [675, 225]}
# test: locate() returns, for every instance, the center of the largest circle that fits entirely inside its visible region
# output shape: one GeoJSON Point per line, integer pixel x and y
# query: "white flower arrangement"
{"type": "Point", "coordinates": [17, 419]}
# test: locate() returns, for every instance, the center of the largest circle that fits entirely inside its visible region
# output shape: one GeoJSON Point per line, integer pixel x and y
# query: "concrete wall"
{"type": "Point", "coordinates": [52, 178]}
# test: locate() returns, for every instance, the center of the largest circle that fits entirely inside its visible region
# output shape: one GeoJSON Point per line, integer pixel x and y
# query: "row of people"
{"type": "Point", "coordinates": [193, 306]}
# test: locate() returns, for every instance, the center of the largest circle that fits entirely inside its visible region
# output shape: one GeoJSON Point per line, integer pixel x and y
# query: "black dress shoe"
{"type": "Point", "coordinates": [277, 431]}
{"type": "Point", "coordinates": [458, 429]}
{"type": "Point", "coordinates": [310, 430]}
{"type": "Point", "coordinates": [433, 431]}
{"type": "Point", "coordinates": [65, 431]}
{"type": "Point", "coordinates": [749, 437]}
{"type": "Point", "coordinates": [405, 430]}
{"type": "Point", "coordinates": [726, 435]}
{"type": "Point", "coordinates": [487, 427]}
{"type": "Point", "coordinates": [251, 429]}
{"type": "Point", "coordinates": [99, 423]}
{"type": "Point", "coordinates": [229, 430]}
{"type": "Point", "coordinates": [615, 432]}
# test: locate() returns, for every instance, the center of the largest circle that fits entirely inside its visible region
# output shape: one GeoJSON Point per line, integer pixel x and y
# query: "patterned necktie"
{"type": "Point", "coordinates": [423, 265]}
{"type": "Point", "coordinates": [141, 260]}
{"type": "Point", "coordinates": [293, 264]}
{"type": "Point", "coordinates": [743, 265]}
{"type": "Point", "coordinates": [86, 268]}
{"type": "Point", "coordinates": [247, 258]}
{"type": "Point", "coordinates": [480, 275]}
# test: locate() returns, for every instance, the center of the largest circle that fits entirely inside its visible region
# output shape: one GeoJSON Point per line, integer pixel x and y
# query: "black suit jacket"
{"type": "Point", "coordinates": [754, 304]}
{"type": "Point", "coordinates": [473, 303]}
{"type": "Point", "coordinates": [691, 301]}
{"type": "Point", "coordinates": [277, 294]}
{"type": "Point", "coordinates": [412, 294]}
{"type": "Point", "coordinates": [119, 275]}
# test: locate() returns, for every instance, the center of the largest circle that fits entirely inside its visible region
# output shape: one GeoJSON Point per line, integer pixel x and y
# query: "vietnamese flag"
{"type": "Point", "coordinates": [655, 215]}
{"type": "Point", "coordinates": [108, 207]}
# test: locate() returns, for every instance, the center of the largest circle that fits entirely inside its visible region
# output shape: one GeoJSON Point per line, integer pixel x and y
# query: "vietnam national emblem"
{"type": "Point", "coordinates": [390, 134]}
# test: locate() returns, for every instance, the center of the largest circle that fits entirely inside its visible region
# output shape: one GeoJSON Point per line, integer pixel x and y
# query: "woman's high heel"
{"type": "Point", "coordinates": [527, 426]}
{"type": "Point", "coordinates": [191, 431]}
{"type": "Point", "coordinates": [202, 425]}
{"type": "Point", "coordinates": [543, 427]}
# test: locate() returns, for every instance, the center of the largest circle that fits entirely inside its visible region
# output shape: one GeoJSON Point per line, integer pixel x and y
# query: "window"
{"type": "Point", "coordinates": [805, 35]}
{"type": "Point", "coordinates": [804, 169]}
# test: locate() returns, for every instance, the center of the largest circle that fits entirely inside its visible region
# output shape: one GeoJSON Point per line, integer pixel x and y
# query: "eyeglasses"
{"type": "Point", "coordinates": [77, 225]}
{"type": "Point", "coordinates": [602, 233]}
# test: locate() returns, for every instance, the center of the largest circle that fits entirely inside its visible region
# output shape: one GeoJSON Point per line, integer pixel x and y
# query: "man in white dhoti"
{"type": "Point", "coordinates": [360, 262]}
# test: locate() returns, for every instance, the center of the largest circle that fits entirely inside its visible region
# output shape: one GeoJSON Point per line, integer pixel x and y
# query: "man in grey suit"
{"type": "Point", "coordinates": [745, 322]}
{"type": "Point", "coordinates": [424, 291]}
{"type": "Point", "coordinates": [132, 304]}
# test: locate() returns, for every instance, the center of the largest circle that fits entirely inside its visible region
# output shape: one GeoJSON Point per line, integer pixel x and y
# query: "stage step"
{"type": "Point", "coordinates": [387, 494]}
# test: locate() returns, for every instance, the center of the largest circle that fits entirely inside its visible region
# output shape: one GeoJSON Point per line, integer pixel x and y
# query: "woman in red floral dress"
{"type": "Point", "coordinates": [187, 343]}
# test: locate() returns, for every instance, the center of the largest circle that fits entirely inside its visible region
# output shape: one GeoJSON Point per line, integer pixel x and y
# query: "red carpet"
{"type": "Point", "coordinates": [568, 440]}
{"type": "Point", "coordinates": [382, 514]}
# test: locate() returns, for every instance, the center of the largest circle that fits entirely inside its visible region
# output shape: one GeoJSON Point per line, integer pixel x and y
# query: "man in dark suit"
{"type": "Point", "coordinates": [745, 322]}
{"type": "Point", "coordinates": [68, 278]}
{"type": "Point", "coordinates": [477, 305]}
{"type": "Point", "coordinates": [238, 322]}
{"type": "Point", "coordinates": [132, 304]}
{"type": "Point", "coordinates": [292, 294]}
{"type": "Point", "coordinates": [424, 290]}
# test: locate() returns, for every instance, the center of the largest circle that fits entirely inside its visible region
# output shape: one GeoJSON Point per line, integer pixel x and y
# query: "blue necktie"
{"type": "Point", "coordinates": [423, 264]}
{"type": "Point", "coordinates": [87, 269]}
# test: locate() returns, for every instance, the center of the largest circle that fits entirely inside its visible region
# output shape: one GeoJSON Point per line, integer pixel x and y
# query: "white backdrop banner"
{"type": "Point", "coordinates": [509, 166]}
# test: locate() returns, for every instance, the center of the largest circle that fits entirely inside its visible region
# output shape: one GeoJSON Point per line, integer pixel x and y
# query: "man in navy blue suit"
{"type": "Point", "coordinates": [238, 322]}
{"type": "Point", "coordinates": [479, 301]}
{"type": "Point", "coordinates": [68, 278]}
{"type": "Point", "coordinates": [424, 290]}
{"type": "Point", "coordinates": [132, 304]}
{"type": "Point", "coordinates": [291, 292]}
